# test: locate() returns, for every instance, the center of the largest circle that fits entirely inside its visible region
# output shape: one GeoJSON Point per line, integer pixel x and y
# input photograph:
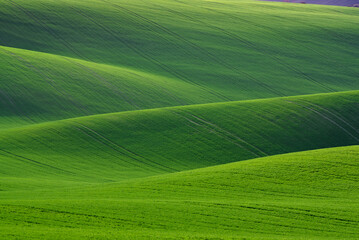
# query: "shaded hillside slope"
{"type": "Point", "coordinates": [167, 53]}
{"type": "Point", "coordinates": [305, 195]}
{"type": "Point", "coordinates": [95, 145]}
{"type": "Point", "coordinates": [38, 87]}
{"type": "Point", "coordinates": [134, 144]}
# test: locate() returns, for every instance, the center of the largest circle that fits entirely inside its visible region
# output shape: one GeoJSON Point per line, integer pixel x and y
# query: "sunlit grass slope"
{"type": "Point", "coordinates": [144, 54]}
{"type": "Point", "coordinates": [134, 144]}
{"type": "Point", "coordinates": [38, 87]}
{"type": "Point", "coordinates": [305, 195]}
{"type": "Point", "coordinates": [95, 145]}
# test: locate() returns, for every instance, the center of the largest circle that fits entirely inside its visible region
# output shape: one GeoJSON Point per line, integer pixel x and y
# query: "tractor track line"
{"type": "Point", "coordinates": [217, 133]}
{"type": "Point", "coordinates": [33, 161]}
{"type": "Point", "coordinates": [214, 57]}
{"type": "Point", "coordinates": [44, 27]}
{"type": "Point", "coordinates": [211, 127]}
{"type": "Point", "coordinates": [228, 133]}
{"type": "Point", "coordinates": [128, 152]}
{"type": "Point", "coordinates": [325, 117]}
{"type": "Point", "coordinates": [103, 143]}
{"type": "Point", "coordinates": [109, 85]}
{"type": "Point", "coordinates": [161, 65]}
{"type": "Point", "coordinates": [264, 52]}
{"type": "Point", "coordinates": [193, 45]}
{"type": "Point", "coordinates": [50, 81]}
{"type": "Point", "coordinates": [338, 116]}
{"type": "Point", "coordinates": [173, 96]}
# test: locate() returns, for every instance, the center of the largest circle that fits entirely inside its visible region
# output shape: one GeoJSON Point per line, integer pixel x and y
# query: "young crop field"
{"type": "Point", "coordinates": [178, 119]}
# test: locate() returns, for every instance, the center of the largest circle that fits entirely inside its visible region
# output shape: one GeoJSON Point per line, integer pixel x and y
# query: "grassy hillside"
{"type": "Point", "coordinates": [146, 54]}
{"type": "Point", "coordinates": [42, 87]}
{"type": "Point", "coordinates": [164, 119]}
{"type": "Point", "coordinates": [134, 144]}
{"type": "Point", "coordinates": [306, 195]}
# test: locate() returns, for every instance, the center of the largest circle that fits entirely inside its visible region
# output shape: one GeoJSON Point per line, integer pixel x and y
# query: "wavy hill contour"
{"type": "Point", "coordinates": [119, 146]}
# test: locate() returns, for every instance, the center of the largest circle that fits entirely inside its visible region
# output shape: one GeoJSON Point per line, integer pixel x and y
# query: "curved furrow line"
{"type": "Point", "coordinates": [50, 81]}
{"type": "Point", "coordinates": [25, 64]}
{"type": "Point", "coordinates": [329, 31]}
{"type": "Point", "coordinates": [325, 117]}
{"type": "Point", "coordinates": [210, 55]}
{"type": "Point", "coordinates": [26, 159]}
{"type": "Point", "coordinates": [61, 153]}
{"type": "Point", "coordinates": [266, 53]}
{"type": "Point", "coordinates": [196, 47]}
{"type": "Point", "coordinates": [125, 43]}
{"type": "Point", "coordinates": [167, 138]}
{"type": "Point", "coordinates": [114, 88]}
{"type": "Point", "coordinates": [108, 84]}
{"type": "Point", "coordinates": [262, 221]}
{"type": "Point", "coordinates": [127, 152]}
{"type": "Point", "coordinates": [171, 95]}
{"type": "Point", "coordinates": [42, 25]}
{"type": "Point", "coordinates": [291, 40]}
{"type": "Point", "coordinates": [97, 140]}
{"type": "Point", "coordinates": [164, 67]}
{"type": "Point", "coordinates": [268, 29]}
{"type": "Point", "coordinates": [149, 58]}
{"type": "Point", "coordinates": [276, 33]}
{"type": "Point", "coordinates": [228, 133]}
{"type": "Point", "coordinates": [104, 141]}
{"type": "Point", "coordinates": [213, 128]}
{"type": "Point", "coordinates": [15, 109]}
{"type": "Point", "coordinates": [106, 144]}
{"type": "Point", "coordinates": [85, 216]}
{"type": "Point", "coordinates": [263, 115]}
{"type": "Point", "coordinates": [319, 215]}
{"type": "Point", "coordinates": [213, 131]}
{"type": "Point", "coordinates": [281, 209]}
{"type": "Point", "coordinates": [336, 115]}
{"type": "Point", "coordinates": [202, 50]}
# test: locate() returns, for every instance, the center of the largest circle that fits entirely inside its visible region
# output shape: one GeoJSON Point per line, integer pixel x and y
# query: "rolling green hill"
{"type": "Point", "coordinates": [43, 87]}
{"type": "Point", "coordinates": [147, 54]}
{"type": "Point", "coordinates": [178, 119]}
{"type": "Point", "coordinates": [306, 195]}
{"type": "Point", "coordinates": [113, 147]}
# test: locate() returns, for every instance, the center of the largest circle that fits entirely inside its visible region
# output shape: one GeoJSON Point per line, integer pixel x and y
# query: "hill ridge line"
{"type": "Point", "coordinates": [261, 158]}
{"type": "Point", "coordinates": [131, 69]}
{"type": "Point", "coordinates": [190, 106]}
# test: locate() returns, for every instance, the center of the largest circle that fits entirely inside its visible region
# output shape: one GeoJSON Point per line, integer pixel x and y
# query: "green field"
{"type": "Point", "coordinates": [90, 56]}
{"type": "Point", "coordinates": [306, 195]}
{"type": "Point", "coordinates": [178, 119]}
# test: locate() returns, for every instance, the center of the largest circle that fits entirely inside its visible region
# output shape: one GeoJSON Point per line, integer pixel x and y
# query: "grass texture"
{"type": "Point", "coordinates": [305, 195]}
{"type": "Point", "coordinates": [178, 119]}
{"type": "Point", "coordinates": [125, 145]}
{"type": "Point", "coordinates": [101, 56]}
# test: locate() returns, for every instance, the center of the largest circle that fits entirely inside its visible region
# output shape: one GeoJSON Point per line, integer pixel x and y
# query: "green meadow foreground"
{"type": "Point", "coordinates": [306, 195]}
{"type": "Point", "coordinates": [178, 119]}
